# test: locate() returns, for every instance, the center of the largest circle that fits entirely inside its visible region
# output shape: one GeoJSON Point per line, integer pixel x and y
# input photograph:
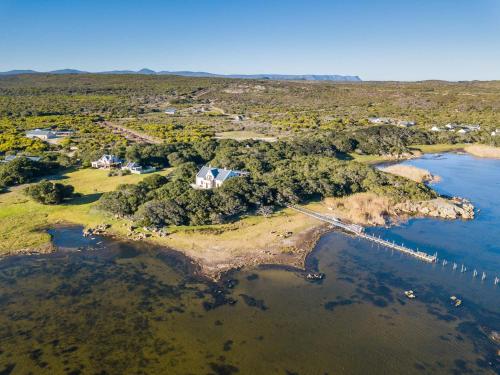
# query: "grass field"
{"type": "Point", "coordinates": [24, 223]}
{"type": "Point", "coordinates": [241, 135]}
{"type": "Point", "coordinates": [431, 149]}
{"type": "Point", "coordinates": [483, 151]}
{"type": "Point", "coordinates": [23, 220]}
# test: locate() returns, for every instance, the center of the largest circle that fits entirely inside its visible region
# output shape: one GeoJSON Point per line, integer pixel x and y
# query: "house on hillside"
{"type": "Point", "coordinates": [107, 162]}
{"type": "Point", "coordinates": [379, 120]}
{"type": "Point", "coordinates": [41, 134]}
{"type": "Point", "coordinates": [136, 168]}
{"type": "Point", "coordinates": [473, 127]}
{"type": "Point", "coordinates": [406, 124]}
{"type": "Point", "coordinates": [210, 177]}
{"type": "Point", "coordinates": [64, 133]}
{"type": "Point", "coordinates": [435, 129]}
{"type": "Point", "coordinates": [170, 111]}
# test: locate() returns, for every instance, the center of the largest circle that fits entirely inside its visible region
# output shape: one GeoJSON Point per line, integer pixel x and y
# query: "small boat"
{"type": "Point", "coordinates": [456, 301]}
{"type": "Point", "coordinates": [315, 276]}
{"type": "Point", "coordinates": [410, 294]}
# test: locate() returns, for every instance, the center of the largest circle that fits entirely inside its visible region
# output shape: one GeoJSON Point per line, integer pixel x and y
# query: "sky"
{"type": "Point", "coordinates": [375, 39]}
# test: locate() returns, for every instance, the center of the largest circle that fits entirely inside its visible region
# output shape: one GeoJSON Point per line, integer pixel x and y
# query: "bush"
{"type": "Point", "coordinates": [47, 192]}
{"type": "Point", "coordinates": [155, 181]}
{"type": "Point", "coordinates": [23, 170]}
{"type": "Point", "coordinates": [125, 200]}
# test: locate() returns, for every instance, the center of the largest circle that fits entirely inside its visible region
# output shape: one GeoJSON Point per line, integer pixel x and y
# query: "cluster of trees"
{"type": "Point", "coordinates": [280, 173]}
{"type": "Point", "coordinates": [47, 192]}
{"type": "Point", "coordinates": [22, 170]}
{"type": "Point", "coordinates": [173, 132]}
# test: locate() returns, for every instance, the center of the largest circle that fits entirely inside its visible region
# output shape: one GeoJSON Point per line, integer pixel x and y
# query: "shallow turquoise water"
{"type": "Point", "coordinates": [133, 309]}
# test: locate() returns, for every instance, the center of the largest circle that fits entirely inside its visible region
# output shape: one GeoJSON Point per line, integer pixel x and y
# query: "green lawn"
{"type": "Point", "coordinates": [430, 149]}
{"type": "Point", "coordinates": [23, 220]}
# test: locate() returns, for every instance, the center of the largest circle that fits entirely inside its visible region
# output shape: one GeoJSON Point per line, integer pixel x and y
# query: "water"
{"type": "Point", "coordinates": [135, 309]}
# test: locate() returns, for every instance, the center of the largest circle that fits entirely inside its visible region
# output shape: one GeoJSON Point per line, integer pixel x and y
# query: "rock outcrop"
{"type": "Point", "coordinates": [453, 208]}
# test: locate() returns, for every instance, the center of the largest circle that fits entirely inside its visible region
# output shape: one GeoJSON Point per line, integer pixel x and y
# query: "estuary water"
{"type": "Point", "coordinates": [129, 308]}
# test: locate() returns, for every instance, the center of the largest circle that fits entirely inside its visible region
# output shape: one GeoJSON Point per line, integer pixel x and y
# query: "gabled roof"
{"type": "Point", "coordinates": [109, 159]}
{"type": "Point", "coordinates": [39, 132]}
{"type": "Point", "coordinates": [219, 174]}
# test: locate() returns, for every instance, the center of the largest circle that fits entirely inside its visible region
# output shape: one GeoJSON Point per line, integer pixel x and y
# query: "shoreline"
{"type": "Point", "coordinates": [285, 239]}
{"type": "Point", "coordinates": [290, 252]}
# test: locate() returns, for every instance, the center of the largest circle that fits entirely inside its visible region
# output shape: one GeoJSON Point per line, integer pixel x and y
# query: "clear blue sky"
{"type": "Point", "coordinates": [377, 40]}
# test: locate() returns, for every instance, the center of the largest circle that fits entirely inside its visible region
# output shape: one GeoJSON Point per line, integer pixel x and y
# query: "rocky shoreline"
{"type": "Point", "coordinates": [453, 208]}
{"type": "Point", "coordinates": [292, 248]}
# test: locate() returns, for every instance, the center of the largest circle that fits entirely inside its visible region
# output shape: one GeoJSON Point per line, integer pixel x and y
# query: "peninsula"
{"type": "Point", "coordinates": [155, 159]}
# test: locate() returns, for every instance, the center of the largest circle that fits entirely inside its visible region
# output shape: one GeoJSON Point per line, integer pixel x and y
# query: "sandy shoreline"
{"type": "Point", "coordinates": [483, 151]}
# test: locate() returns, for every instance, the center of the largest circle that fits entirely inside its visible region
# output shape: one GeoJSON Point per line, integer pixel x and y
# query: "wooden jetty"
{"type": "Point", "coordinates": [358, 230]}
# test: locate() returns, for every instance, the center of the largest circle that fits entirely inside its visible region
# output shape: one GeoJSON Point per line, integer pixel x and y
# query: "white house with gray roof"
{"type": "Point", "coordinates": [41, 134]}
{"type": "Point", "coordinates": [107, 162]}
{"type": "Point", "coordinates": [210, 177]}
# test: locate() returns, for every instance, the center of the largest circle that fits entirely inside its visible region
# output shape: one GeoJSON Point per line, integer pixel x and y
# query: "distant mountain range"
{"type": "Point", "coordinates": [279, 77]}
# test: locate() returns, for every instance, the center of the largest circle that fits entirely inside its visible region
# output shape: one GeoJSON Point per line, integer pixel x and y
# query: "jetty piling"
{"type": "Point", "coordinates": [358, 231]}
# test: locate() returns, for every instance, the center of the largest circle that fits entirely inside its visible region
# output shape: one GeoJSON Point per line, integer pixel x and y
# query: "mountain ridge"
{"type": "Point", "coordinates": [187, 73]}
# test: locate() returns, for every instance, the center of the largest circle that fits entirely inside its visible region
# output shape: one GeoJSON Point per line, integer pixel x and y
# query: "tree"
{"type": "Point", "coordinates": [154, 181]}
{"type": "Point", "coordinates": [125, 200]}
{"type": "Point", "coordinates": [22, 170]}
{"type": "Point", "coordinates": [265, 211]}
{"type": "Point", "coordinates": [160, 213]}
{"type": "Point", "coordinates": [46, 192]}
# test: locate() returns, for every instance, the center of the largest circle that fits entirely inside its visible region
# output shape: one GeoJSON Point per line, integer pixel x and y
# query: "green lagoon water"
{"type": "Point", "coordinates": [125, 308]}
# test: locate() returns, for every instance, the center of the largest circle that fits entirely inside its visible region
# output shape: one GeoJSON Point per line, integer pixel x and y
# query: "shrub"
{"type": "Point", "coordinates": [46, 192]}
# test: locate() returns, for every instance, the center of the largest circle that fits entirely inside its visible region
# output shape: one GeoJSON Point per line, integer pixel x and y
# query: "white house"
{"type": "Point", "coordinates": [41, 134]}
{"type": "Point", "coordinates": [379, 120]}
{"type": "Point", "coordinates": [495, 132]}
{"type": "Point", "coordinates": [107, 162]}
{"type": "Point", "coordinates": [136, 168]}
{"type": "Point", "coordinates": [170, 111]}
{"type": "Point", "coordinates": [435, 129]}
{"type": "Point", "coordinates": [209, 177]}
{"type": "Point", "coordinates": [406, 124]}
{"type": "Point", "coordinates": [463, 131]}
{"type": "Point", "coordinates": [473, 127]}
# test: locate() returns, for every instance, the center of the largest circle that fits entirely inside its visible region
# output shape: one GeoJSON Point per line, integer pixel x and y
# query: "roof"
{"type": "Point", "coordinates": [133, 165]}
{"type": "Point", "coordinates": [219, 174]}
{"type": "Point", "coordinates": [39, 132]}
{"type": "Point", "coordinates": [109, 159]}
